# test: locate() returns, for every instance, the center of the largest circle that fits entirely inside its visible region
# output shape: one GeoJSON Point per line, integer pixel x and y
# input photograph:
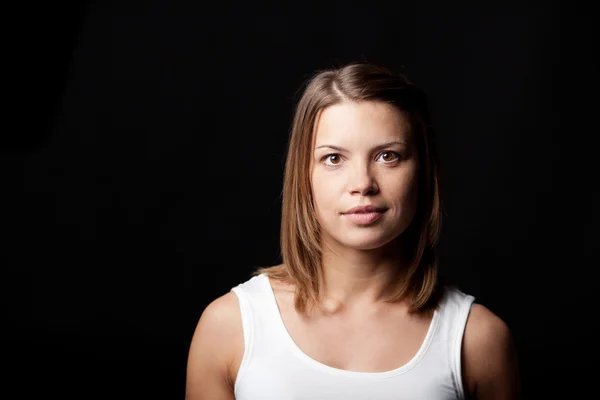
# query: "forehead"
{"type": "Point", "coordinates": [366, 120]}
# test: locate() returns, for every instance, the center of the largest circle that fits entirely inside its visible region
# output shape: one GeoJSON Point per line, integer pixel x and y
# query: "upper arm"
{"type": "Point", "coordinates": [212, 351]}
{"type": "Point", "coordinates": [490, 367]}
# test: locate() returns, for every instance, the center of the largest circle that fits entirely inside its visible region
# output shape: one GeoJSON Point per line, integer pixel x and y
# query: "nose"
{"type": "Point", "coordinates": [362, 181]}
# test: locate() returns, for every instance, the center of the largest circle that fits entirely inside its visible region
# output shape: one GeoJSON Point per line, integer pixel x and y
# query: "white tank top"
{"type": "Point", "coordinates": [273, 367]}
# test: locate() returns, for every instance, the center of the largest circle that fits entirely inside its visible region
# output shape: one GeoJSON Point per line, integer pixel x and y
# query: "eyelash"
{"type": "Point", "coordinates": [325, 157]}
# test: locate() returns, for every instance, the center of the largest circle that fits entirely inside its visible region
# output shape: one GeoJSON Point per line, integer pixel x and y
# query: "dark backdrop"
{"type": "Point", "coordinates": [149, 168]}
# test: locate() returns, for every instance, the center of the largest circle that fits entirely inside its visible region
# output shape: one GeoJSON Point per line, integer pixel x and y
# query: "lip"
{"type": "Point", "coordinates": [364, 210]}
{"type": "Point", "coordinates": [364, 215]}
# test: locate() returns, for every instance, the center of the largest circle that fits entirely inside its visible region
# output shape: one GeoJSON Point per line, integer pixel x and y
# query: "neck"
{"type": "Point", "coordinates": [358, 278]}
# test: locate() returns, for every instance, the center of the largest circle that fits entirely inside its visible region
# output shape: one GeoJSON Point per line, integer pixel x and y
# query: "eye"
{"type": "Point", "coordinates": [389, 156]}
{"type": "Point", "coordinates": [334, 159]}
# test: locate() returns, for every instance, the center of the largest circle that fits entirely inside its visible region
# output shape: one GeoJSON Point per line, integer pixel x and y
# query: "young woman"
{"type": "Point", "coordinates": [356, 310]}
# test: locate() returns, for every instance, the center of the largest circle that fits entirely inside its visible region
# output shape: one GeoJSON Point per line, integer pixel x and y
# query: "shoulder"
{"type": "Point", "coordinates": [218, 339]}
{"type": "Point", "coordinates": [222, 315]}
{"type": "Point", "coordinates": [221, 323]}
{"type": "Point", "coordinates": [489, 364]}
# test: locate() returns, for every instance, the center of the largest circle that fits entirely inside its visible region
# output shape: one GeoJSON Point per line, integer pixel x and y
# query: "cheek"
{"type": "Point", "coordinates": [324, 194]}
{"type": "Point", "coordinates": [319, 190]}
{"type": "Point", "coordinates": [408, 186]}
{"type": "Point", "coordinates": [402, 188]}
{"type": "Point", "coordinates": [410, 195]}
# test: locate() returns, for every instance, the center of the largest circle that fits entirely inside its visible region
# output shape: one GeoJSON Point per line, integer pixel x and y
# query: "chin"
{"type": "Point", "coordinates": [366, 241]}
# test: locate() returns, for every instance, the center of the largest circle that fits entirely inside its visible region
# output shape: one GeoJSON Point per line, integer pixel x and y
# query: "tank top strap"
{"type": "Point", "coordinates": [454, 311]}
{"type": "Point", "coordinates": [260, 322]}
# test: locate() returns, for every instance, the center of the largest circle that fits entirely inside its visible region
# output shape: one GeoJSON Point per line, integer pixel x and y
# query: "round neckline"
{"type": "Point", "coordinates": [343, 372]}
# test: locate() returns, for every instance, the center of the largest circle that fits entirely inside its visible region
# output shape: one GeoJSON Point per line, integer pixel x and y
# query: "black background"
{"type": "Point", "coordinates": [148, 165]}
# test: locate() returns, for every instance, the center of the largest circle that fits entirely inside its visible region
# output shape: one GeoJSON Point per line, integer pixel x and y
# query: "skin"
{"type": "Point", "coordinates": [358, 261]}
{"type": "Point", "coordinates": [349, 169]}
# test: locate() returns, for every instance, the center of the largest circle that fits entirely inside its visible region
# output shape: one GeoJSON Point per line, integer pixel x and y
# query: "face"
{"type": "Point", "coordinates": [363, 155]}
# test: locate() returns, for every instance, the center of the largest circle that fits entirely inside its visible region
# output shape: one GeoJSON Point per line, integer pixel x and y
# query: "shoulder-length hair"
{"type": "Point", "coordinates": [300, 232]}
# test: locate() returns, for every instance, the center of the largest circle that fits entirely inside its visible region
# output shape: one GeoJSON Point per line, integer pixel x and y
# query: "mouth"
{"type": "Point", "coordinates": [365, 210]}
{"type": "Point", "coordinates": [364, 217]}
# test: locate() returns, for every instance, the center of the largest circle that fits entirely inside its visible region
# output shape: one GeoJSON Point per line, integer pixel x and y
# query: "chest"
{"type": "Point", "coordinates": [363, 343]}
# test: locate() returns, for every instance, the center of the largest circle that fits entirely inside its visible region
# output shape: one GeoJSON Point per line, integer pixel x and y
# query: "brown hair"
{"type": "Point", "coordinates": [300, 233]}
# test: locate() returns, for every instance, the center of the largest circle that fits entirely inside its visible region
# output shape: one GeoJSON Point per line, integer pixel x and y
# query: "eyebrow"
{"type": "Point", "coordinates": [378, 147]}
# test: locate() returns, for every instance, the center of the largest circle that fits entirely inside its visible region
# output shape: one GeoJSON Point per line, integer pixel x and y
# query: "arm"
{"type": "Point", "coordinates": [218, 335]}
{"type": "Point", "coordinates": [490, 367]}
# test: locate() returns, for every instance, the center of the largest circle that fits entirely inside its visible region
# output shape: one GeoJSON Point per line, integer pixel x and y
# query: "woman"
{"type": "Point", "coordinates": [356, 310]}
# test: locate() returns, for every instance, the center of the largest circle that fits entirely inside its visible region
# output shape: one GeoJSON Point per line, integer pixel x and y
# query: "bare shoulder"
{"type": "Point", "coordinates": [490, 367]}
{"type": "Point", "coordinates": [222, 313]}
{"type": "Point", "coordinates": [215, 350]}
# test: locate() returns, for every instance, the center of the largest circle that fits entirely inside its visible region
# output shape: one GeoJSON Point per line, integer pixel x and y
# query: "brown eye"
{"type": "Point", "coordinates": [334, 159]}
{"type": "Point", "coordinates": [389, 156]}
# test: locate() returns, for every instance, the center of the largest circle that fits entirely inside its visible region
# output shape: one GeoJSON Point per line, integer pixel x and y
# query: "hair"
{"type": "Point", "coordinates": [300, 231]}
